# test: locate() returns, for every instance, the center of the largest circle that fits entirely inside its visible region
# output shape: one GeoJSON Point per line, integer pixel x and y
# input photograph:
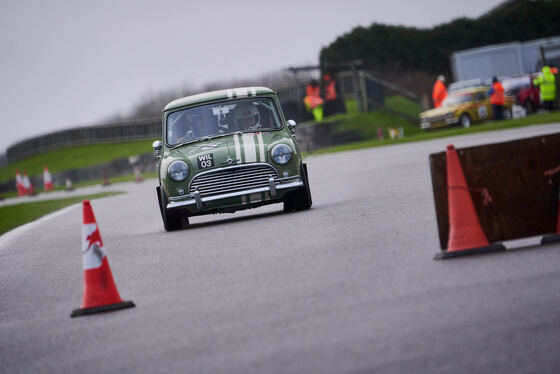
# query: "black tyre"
{"type": "Point", "coordinates": [300, 199]}
{"type": "Point", "coordinates": [528, 107]}
{"type": "Point", "coordinates": [304, 195]}
{"type": "Point", "coordinates": [171, 220]}
{"type": "Point", "coordinates": [290, 202]}
{"type": "Point", "coordinates": [465, 120]}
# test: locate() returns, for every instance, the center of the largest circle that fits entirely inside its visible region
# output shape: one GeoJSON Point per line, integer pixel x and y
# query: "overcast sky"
{"type": "Point", "coordinates": [68, 63]}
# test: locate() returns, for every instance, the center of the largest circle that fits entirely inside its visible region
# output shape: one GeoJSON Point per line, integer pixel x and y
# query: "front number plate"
{"type": "Point", "coordinates": [205, 161]}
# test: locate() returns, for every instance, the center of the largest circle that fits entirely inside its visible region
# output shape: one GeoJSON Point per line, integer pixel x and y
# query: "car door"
{"type": "Point", "coordinates": [482, 105]}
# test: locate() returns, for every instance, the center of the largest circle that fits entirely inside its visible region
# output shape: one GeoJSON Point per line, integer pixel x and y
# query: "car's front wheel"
{"type": "Point", "coordinates": [300, 199]}
{"type": "Point", "coordinates": [465, 120]}
{"type": "Point", "coordinates": [171, 220]}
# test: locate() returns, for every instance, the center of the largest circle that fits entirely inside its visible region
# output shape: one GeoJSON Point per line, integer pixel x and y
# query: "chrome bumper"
{"type": "Point", "coordinates": [274, 184]}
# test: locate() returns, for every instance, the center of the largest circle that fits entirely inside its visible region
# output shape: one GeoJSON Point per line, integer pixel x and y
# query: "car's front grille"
{"type": "Point", "coordinates": [232, 179]}
{"type": "Point", "coordinates": [440, 118]}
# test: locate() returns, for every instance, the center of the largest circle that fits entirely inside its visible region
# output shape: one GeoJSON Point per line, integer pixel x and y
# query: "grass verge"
{"type": "Point", "coordinates": [12, 216]}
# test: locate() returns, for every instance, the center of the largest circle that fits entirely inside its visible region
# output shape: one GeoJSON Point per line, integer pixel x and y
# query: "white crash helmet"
{"type": "Point", "coordinates": [246, 116]}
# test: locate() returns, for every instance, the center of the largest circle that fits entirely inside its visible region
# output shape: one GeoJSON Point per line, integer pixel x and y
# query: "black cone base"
{"type": "Point", "coordinates": [553, 238]}
{"type": "Point", "coordinates": [467, 252]}
{"type": "Point", "coordinates": [101, 309]}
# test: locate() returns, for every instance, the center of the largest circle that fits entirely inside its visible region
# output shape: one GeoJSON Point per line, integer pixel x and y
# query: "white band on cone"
{"type": "Point", "coordinates": [92, 250]}
{"type": "Point", "coordinates": [47, 176]}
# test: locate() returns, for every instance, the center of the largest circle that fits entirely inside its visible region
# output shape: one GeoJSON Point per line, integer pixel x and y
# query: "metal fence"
{"type": "Point", "coordinates": [365, 87]}
{"type": "Point", "coordinates": [114, 132]}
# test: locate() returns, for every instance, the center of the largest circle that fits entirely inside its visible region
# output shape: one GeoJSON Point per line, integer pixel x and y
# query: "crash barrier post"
{"type": "Point", "coordinates": [68, 185]}
{"type": "Point", "coordinates": [553, 238]}
{"type": "Point", "coordinates": [137, 174]}
{"type": "Point", "coordinates": [100, 291]}
{"type": "Point", "coordinates": [511, 196]}
{"type": "Point", "coordinates": [105, 179]}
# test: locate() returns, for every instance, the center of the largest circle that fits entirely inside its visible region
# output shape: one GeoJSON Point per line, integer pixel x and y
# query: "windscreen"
{"type": "Point", "coordinates": [457, 99]}
{"type": "Point", "coordinates": [245, 115]}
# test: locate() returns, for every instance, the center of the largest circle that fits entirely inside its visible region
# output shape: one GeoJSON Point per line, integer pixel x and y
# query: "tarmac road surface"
{"type": "Point", "coordinates": [347, 287]}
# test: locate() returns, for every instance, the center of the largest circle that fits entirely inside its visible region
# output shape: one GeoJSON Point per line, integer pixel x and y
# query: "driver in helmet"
{"type": "Point", "coordinates": [246, 116]}
{"type": "Point", "coordinates": [182, 130]}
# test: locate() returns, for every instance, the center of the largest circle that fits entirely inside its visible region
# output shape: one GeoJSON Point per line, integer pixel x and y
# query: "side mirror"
{"type": "Point", "coordinates": [291, 125]}
{"type": "Point", "coordinates": [157, 145]}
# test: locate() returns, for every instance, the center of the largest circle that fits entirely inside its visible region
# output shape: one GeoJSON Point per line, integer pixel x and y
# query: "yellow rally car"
{"type": "Point", "coordinates": [463, 107]}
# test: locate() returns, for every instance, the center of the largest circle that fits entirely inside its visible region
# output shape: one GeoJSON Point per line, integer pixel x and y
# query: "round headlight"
{"type": "Point", "coordinates": [281, 154]}
{"type": "Point", "coordinates": [178, 170]}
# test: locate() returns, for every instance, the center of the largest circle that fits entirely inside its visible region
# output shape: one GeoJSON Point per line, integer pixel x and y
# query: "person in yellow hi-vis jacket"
{"type": "Point", "coordinates": [547, 84]}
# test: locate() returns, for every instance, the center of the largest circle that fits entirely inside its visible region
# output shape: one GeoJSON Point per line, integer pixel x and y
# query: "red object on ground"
{"type": "Point", "coordinates": [19, 184]}
{"type": "Point", "coordinates": [465, 231]}
{"type": "Point", "coordinates": [466, 236]}
{"type": "Point", "coordinates": [100, 291]}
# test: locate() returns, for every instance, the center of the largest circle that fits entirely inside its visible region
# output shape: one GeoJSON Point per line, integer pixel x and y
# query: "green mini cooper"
{"type": "Point", "coordinates": [227, 150]}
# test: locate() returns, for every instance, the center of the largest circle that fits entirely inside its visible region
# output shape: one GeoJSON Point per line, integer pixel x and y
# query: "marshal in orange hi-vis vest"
{"type": "Point", "coordinates": [439, 93]}
{"type": "Point", "coordinates": [497, 97]}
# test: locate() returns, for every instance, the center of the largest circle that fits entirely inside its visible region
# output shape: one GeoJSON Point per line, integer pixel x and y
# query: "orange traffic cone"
{"type": "Point", "coordinates": [19, 184]}
{"type": "Point", "coordinates": [47, 179]}
{"type": "Point", "coordinates": [465, 233]}
{"type": "Point", "coordinates": [137, 174]}
{"type": "Point", "coordinates": [100, 291]}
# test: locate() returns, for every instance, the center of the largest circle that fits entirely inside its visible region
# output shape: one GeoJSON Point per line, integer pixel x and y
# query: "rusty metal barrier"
{"type": "Point", "coordinates": [518, 177]}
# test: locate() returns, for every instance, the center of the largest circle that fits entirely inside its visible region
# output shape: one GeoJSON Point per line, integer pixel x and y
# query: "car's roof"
{"type": "Point", "coordinates": [232, 93]}
{"type": "Point", "coordinates": [461, 85]}
{"type": "Point", "coordinates": [470, 90]}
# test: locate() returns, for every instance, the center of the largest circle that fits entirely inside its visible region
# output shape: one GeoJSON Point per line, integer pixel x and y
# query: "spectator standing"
{"type": "Point", "coordinates": [439, 93]}
{"type": "Point", "coordinates": [313, 100]}
{"type": "Point", "coordinates": [547, 84]}
{"type": "Point", "coordinates": [332, 102]}
{"type": "Point", "coordinates": [329, 88]}
{"type": "Point", "coordinates": [497, 99]}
